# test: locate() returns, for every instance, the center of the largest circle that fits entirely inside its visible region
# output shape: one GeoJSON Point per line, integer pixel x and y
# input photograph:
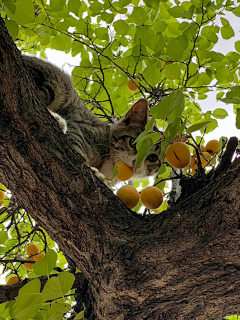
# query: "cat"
{"type": "Point", "coordinates": [100, 144]}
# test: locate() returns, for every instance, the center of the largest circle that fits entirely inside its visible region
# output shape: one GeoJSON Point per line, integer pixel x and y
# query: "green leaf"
{"type": "Point", "coordinates": [172, 105]}
{"type": "Point", "coordinates": [121, 27]}
{"type": "Point", "coordinates": [12, 27]}
{"type": "Point", "coordinates": [231, 100]}
{"type": "Point", "coordinates": [115, 172]}
{"type": "Point", "coordinates": [222, 74]}
{"type": "Point", "coordinates": [175, 50]}
{"type": "Point", "coordinates": [152, 75]}
{"type": "Point", "coordinates": [3, 236]}
{"type": "Point", "coordinates": [24, 13]}
{"type": "Point", "coordinates": [225, 22]}
{"type": "Point", "coordinates": [238, 118]}
{"type": "Point", "coordinates": [10, 6]}
{"type": "Point", "coordinates": [236, 11]}
{"type": "Point", "coordinates": [176, 11]}
{"type": "Point", "coordinates": [203, 79]}
{"type": "Point", "coordinates": [29, 300]}
{"type": "Point", "coordinates": [227, 32]}
{"type": "Point", "coordinates": [172, 71]}
{"type": "Point", "coordinates": [58, 43]}
{"type": "Point", "coordinates": [79, 316]}
{"type": "Point", "coordinates": [139, 16]}
{"type": "Point", "coordinates": [57, 287]}
{"type": "Point", "coordinates": [237, 46]}
{"type": "Point", "coordinates": [172, 129]}
{"type": "Point", "coordinates": [143, 152]}
{"type": "Point", "coordinates": [57, 5]}
{"type": "Point", "coordinates": [198, 126]}
{"type": "Point", "coordinates": [74, 6]}
{"type": "Point", "coordinates": [220, 113]}
{"type": "Point", "coordinates": [45, 266]}
{"type": "Point", "coordinates": [148, 128]}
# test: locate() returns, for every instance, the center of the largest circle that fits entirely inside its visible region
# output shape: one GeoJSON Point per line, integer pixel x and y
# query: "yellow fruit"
{"type": "Point", "coordinates": [212, 147]}
{"type": "Point", "coordinates": [151, 197]}
{"type": "Point", "coordinates": [178, 155]}
{"type": "Point", "coordinates": [132, 86]}
{"type": "Point", "coordinates": [1, 203]}
{"type": "Point", "coordinates": [39, 256]}
{"type": "Point", "coordinates": [32, 250]}
{"type": "Point", "coordinates": [28, 266]}
{"type": "Point", "coordinates": [204, 163]}
{"type": "Point", "coordinates": [2, 195]}
{"type": "Point", "coordinates": [129, 196]}
{"type": "Point", "coordinates": [124, 171]}
{"type": "Point", "coordinates": [201, 147]}
{"type": "Point", "coordinates": [12, 281]}
{"type": "Point", "coordinates": [193, 162]}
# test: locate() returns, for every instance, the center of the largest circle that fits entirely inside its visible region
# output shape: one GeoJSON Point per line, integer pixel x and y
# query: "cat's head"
{"type": "Point", "coordinates": [125, 132]}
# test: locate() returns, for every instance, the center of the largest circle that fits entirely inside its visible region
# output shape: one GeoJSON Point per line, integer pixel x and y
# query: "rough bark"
{"type": "Point", "coordinates": [181, 264]}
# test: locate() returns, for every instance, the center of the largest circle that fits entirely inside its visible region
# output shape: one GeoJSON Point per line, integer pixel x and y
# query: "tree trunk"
{"type": "Point", "coordinates": [181, 264]}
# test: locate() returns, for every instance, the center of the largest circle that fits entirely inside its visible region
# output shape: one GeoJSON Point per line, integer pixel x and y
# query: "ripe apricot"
{"type": "Point", "coordinates": [151, 197]}
{"type": "Point", "coordinates": [178, 155]}
{"type": "Point", "coordinates": [1, 203]}
{"type": "Point", "coordinates": [32, 250]}
{"type": "Point", "coordinates": [28, 266]}
{"type": "Point", "coordinates": [132, 86]}
{"type": "Point", "coordinates": [212, 146]}
{"type": "Point", "coordinates": [124, 171]}
{"type": "Point", "coordinates": [39, 256]}
{"type": "Point", "coordinates": [129, 196]}
{"type": "Point", "coordinates": [12, 281]}
{"type": "Point", "coordinates": [204, 162]}
{"type": "Point", "coordinates": [193, 162]}
{"type": "Point", "coordinates": [201, 147]}
{"type": "Point", "coordinates": [2, 195]}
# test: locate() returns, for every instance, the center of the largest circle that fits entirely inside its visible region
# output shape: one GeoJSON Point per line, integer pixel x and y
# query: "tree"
{"type": "Point", "coordinates": [180, 264]}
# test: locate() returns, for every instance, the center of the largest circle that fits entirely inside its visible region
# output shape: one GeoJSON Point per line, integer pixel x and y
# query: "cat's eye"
{"type": "Point", "coordinates": [131, 142]}
{"type": "Point", "coordinates": [152, 157]}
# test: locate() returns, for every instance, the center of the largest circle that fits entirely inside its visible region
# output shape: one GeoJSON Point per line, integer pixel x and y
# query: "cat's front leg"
{"type": "Point", "coordinates": [99, 175]}
{"type": "Point", "coordinates": [62, 122]}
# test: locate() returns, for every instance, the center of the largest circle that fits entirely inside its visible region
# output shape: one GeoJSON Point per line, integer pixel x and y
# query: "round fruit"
{"type": "Point", "coordinates": [212, 146]}
{"type": "Point", "coordinates": [132, 86]}
{"type": "Point", "coordinates": [28, 266]}
{"type": "Point", "coordinates": [2, 195]}
{"type": "Point", "coordinates": [124, 171]}
{"type": "Point", "coordinates": [204, 162]}
{"type": "Point", "coordinates": [178, 155]}
{"type": "Point", "coordinates": [151, 197]}
{"type": "Point", "coordinates": [129, 196]}
{"type": "Point", "coordinates": [193, 162]}
{"type": "Point", "coordinates": [1, 203]}
{"type": "Point", "coordinates": [32, 250]}
{"type": "Point", "coordinates": [12, 281]}
{"type": "Point", "coordinates": [39, 256]}
{"type": "Point", "coordinates": [201, 147]}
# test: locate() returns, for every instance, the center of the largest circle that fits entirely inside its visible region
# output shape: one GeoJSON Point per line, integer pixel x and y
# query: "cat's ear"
{"type": "Point", "coordinates": [138, 113]}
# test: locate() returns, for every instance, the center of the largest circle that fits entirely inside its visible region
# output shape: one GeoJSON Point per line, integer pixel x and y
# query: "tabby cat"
{"type": "Point", "coordinates": [100, 144]}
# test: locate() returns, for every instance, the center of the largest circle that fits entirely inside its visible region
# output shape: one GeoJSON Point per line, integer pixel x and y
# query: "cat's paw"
{"type": "Point", "coordinates": [62, 122]}
{"type": "Point", "coordinates": [99, 175]}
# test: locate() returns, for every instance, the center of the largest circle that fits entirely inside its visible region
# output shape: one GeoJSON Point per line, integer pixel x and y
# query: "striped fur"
{"type": "Point", "coordinates": [100, 144]}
